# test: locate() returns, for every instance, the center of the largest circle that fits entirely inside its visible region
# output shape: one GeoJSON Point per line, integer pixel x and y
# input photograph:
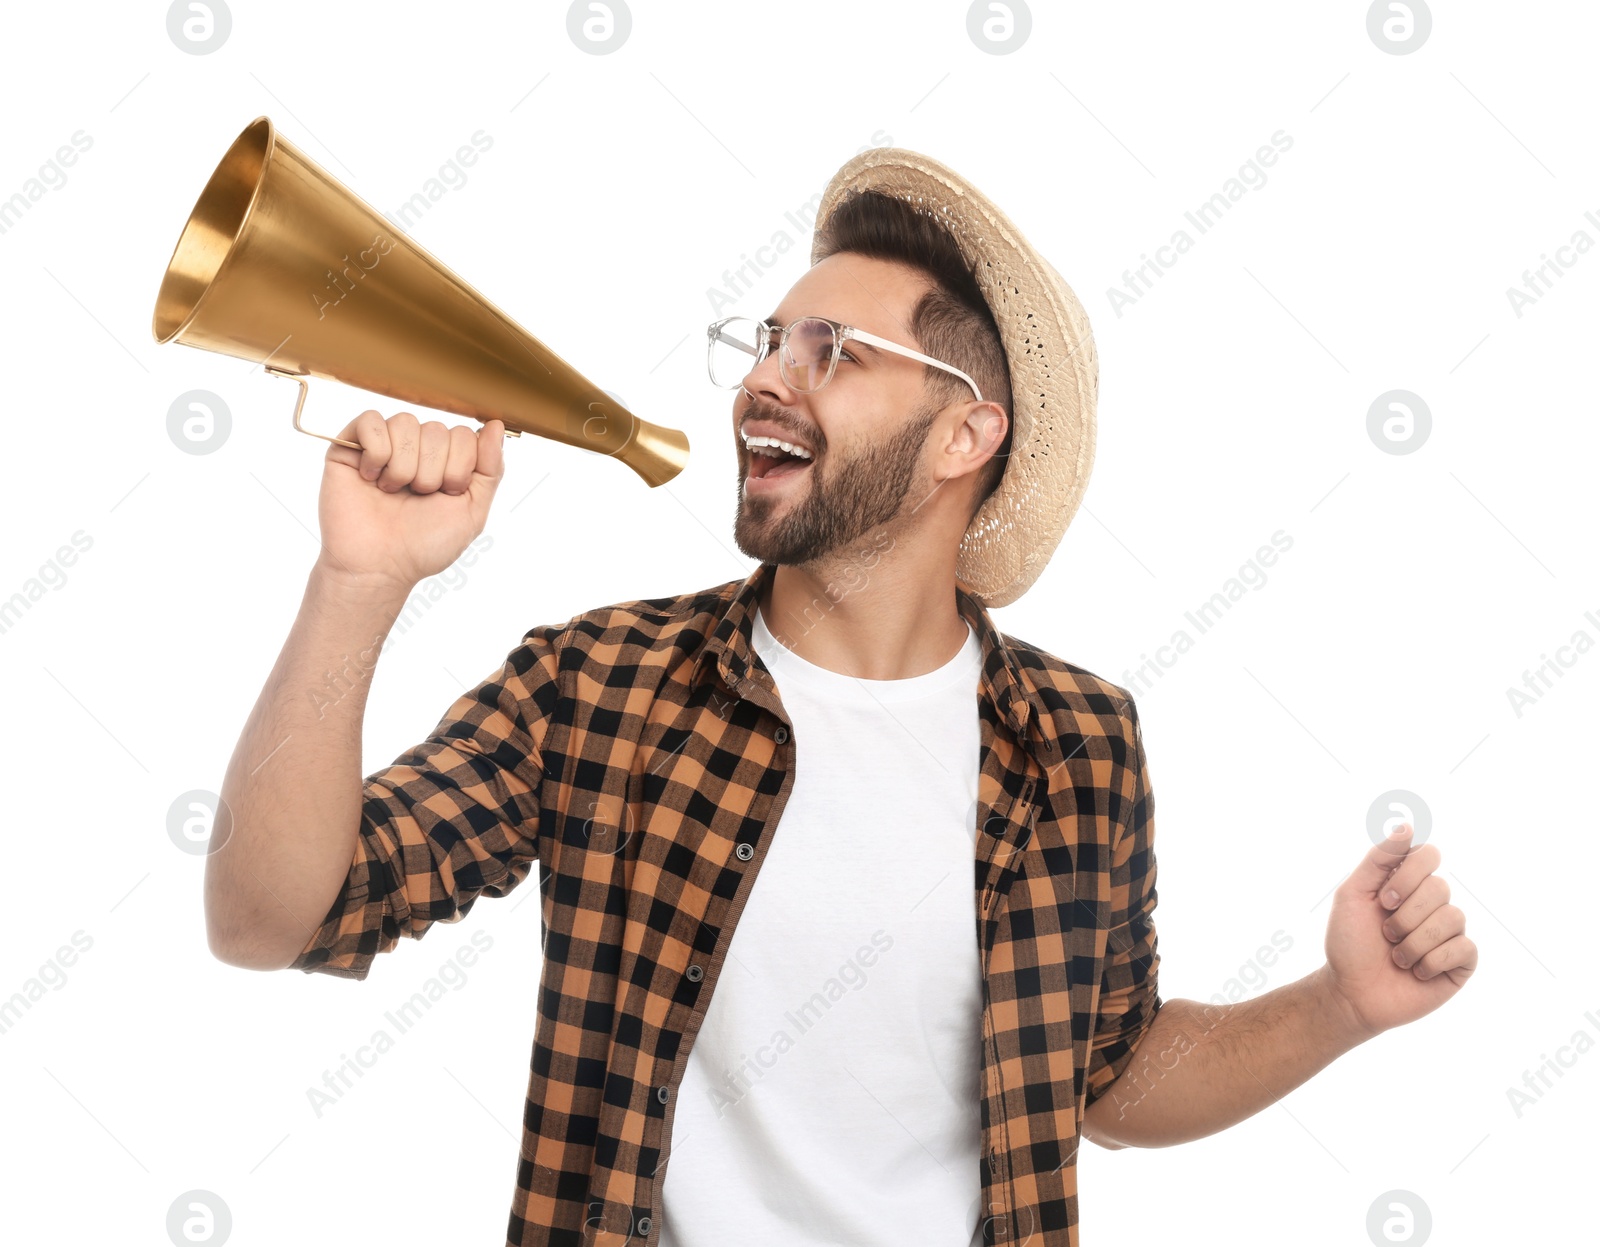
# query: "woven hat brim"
{"type": "Point", "coordinates": [1051, 357]}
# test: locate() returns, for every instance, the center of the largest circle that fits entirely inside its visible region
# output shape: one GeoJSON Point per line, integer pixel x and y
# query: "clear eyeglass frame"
{"type": "Point", "coordinates": [842, 333]}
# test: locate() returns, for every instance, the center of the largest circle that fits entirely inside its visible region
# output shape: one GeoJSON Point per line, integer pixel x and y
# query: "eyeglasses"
{"type": "Point", "coordinates": [808, 351]}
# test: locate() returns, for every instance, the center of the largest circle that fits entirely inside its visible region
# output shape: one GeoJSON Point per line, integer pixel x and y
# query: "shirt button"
{"type": "Point", "coordinates": [661, 1094]}
{"type": "Point", "coordinates": [695, 974]}
{"type": "Point", "coordinates": [781, 735]}
{"type": "Point", "coordinates": [744, 851]}
{"type": "Point", "coordinates": [644, 1226]}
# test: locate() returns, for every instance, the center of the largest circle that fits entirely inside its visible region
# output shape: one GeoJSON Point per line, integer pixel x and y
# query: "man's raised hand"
{"type": "Point", "coordinates": [1397, 949]}
{"type": "Point", "coordinates": [404, 506]}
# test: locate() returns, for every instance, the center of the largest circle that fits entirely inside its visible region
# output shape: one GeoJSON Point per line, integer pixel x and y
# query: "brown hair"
{"type": "Point", "coordinates": [951, 322]}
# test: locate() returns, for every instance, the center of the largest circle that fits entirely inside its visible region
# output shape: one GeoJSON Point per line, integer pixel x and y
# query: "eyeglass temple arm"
{"type": "Point", "coordinates": [872, 339]}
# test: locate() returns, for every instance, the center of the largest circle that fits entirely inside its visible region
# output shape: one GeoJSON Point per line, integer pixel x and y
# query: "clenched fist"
{"type": "Point", "coordinates": [404, 506]}
{"type": "Point", "coordinates": [1397, 949]}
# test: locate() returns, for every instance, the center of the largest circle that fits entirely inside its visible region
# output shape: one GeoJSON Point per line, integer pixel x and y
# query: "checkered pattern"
{"type": "Point", "coordinates": [639, 753]}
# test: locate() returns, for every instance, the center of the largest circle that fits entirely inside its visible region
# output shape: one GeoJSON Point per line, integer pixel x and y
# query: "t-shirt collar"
{"type": "Point", "coordinates": [729, 650]}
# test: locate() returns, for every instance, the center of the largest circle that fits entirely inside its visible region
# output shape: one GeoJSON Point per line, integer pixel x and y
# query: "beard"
{"type": "Point", "coordinates": [845, 496]}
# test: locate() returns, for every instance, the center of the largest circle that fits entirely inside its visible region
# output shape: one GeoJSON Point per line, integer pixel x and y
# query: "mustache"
{"type": "Point", "coordinates": [756, 409]}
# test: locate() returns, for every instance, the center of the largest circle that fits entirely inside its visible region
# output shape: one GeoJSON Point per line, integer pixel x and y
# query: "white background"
{"type": "Point", "coordinates": [617, 191]}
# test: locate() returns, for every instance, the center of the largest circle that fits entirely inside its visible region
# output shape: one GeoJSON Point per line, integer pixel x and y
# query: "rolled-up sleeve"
{"type": "Point", "coordinates": [1129, 999]}
{"type": "Point", "coordinates": [449, 820]}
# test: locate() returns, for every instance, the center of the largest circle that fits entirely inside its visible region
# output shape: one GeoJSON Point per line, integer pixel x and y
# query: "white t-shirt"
{"type": "Point", "coordinates": [831, 1095]}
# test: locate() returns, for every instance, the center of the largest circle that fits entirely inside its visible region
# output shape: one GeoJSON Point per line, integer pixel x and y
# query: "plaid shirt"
{"type": "Point", "coordinates": [640, 754]}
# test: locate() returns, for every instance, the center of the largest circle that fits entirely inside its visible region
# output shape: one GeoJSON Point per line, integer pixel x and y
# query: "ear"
{"type": "Point", "coordinates": [985, 425]}
{"type": "Point", "coordinates": [975, 437]}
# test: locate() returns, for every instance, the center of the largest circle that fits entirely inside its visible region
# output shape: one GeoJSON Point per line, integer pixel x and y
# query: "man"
{"type": "Point", "coordinates": [827, 955]}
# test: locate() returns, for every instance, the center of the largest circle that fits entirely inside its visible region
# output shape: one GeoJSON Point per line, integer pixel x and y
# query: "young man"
{"type": "Point", "coordinates": [847, 897]}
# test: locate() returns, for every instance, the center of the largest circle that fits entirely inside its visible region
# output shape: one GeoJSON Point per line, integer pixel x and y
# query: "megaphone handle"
{"type": "Point", "coordinates": [300, 405]}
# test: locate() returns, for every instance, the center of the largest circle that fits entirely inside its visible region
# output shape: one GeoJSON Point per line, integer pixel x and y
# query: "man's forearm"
{"type": "Point", "coordinates": [285, 833]}
{"type": "Point", "coordinates": [1202, 1067]}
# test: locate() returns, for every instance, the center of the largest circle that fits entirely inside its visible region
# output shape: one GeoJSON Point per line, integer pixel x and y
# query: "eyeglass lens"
{"type": "Point", "coordinates": [804, 362]}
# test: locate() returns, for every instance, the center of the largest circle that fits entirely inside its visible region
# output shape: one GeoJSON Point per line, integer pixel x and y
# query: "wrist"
{"type": "Point", "coordinates": [1337, 1017]}
{"type": "Point", "coordinates": [327, 576]}
{"type": "Point", "coordinates": [345, 592]}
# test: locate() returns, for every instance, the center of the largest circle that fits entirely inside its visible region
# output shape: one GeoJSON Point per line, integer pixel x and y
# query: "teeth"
{"type": "Point", "coordinates": [760, 445]}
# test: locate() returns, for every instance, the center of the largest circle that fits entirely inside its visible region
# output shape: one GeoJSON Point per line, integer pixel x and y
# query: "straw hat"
{"type": "Point", "coordinates": [1051, 356]}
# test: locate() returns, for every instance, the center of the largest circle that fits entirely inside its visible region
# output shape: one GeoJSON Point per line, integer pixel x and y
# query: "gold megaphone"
{"type": "Point", "coordinates": [281, 263]}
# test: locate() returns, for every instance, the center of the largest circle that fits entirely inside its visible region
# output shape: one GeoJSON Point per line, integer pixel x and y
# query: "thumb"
{"type": "Point", "coordinates": [488, 471]}
{"type": "Point", "coordinates": [1381, 861]}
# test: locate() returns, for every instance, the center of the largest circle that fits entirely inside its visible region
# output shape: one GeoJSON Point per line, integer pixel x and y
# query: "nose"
{"type": "Point", "coordinates": [767, 378]}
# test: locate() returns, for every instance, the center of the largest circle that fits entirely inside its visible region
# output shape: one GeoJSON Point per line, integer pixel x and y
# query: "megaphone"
{"type": "Point", "coordinates": [282, 264]}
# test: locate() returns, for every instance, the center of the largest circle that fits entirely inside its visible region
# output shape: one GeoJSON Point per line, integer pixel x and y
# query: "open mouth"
{"type": "Point", "coordinates": [771, 462]}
